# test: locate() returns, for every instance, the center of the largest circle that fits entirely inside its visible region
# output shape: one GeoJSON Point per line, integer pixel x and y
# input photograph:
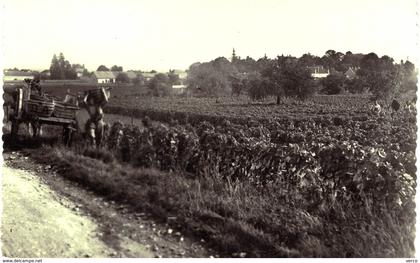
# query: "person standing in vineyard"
{"type": "Point", "coordinates": [376, 108]}
{"type": "Point", "coordinates": [395, 105]}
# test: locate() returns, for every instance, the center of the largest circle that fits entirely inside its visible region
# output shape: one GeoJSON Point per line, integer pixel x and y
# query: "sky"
{"type": "Point", "coordinates": [163, 35]}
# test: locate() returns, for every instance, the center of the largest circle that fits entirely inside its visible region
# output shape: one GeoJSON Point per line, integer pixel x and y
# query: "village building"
{"type": "Point", "coordinates": [148, 75]}
{"type": "Point", "coordinates": [103, 77]}
{"type": "Point", "coordinates": [351, 73]}
{"type": "Point", "coordinates": [319, 72]}
{"type": "Point", "coordinates": [179, 89]}
{"type": "Point", "coordinates": [182, 74]}
{"type": "Point", "coordinates": [14, 75]}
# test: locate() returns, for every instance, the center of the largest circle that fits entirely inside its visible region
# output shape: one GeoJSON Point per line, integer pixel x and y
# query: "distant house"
{"type": "Point", "coordinates": [319, 72]}
{"type": "Point", "coordinates": [351, 73]}
{"type": "Point", "coordinates": [10, 75]}
{"type": "Point", "coordinates": [182, 74]}
{"type": "Point", "coordinates": [103, 76]}
{"type": "Point", "coordinates": [179, 89]}
{"type": "Point", "coordinates": [148, 75]}
{"type": "Point", "coordinates": [46, 73]}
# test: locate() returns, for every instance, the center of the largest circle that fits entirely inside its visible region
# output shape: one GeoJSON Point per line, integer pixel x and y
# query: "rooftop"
{"type": "Point", "coordinates": [18, 73]}
{"type": "Point", "coordinates": [104, 74]}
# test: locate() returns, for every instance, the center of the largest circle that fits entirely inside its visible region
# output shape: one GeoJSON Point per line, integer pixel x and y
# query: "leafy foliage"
{"type": "Point", "coordinates": [282, 182]}
{"type": "Point", "coordinates": [211, 78]}
{"type": "Point", "coordinates": [289, 76]}
{"type": "Point", "coordinates": [160, 85]}
{"type": "Point", "coordinates": [358, 169]}
{"type": "Point", "coordinates": [122, 78]}
{"type": "Point", "coordinates": [333, 83]}
{"type": "Point", "coordinates": [116, 68]}
{"type": "Point", "coordinates": [102, 68]}
{"type": "Point", "coordinates": [61, 68]}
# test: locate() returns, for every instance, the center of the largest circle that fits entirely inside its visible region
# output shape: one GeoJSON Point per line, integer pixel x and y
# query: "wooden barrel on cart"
{"type": "Point", "coordinates": [41, 108]}
{"type": "Point", "coordinates": [64, 110]}
{"type": "Point", "coordinates": [99, 96]}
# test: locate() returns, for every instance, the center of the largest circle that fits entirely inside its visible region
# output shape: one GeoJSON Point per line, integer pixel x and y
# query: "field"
{"type": "Point", "coordinates": [318, 178]}
{"type": "Point", "coordinates": [236, 108]}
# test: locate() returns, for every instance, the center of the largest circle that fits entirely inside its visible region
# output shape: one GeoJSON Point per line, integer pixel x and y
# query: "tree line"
{"type": "Point", "coordinates": [291, 76]}
{"type": "Point", "coordinates": [282, 76]}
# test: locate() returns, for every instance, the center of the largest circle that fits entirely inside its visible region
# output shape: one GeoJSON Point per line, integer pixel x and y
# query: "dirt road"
{"type": "Point", "coordinates": [36, 223]}
{"type": "Point", "coordinates": [45, 215]}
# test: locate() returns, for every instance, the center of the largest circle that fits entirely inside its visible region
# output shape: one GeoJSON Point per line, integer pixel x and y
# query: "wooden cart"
{"type": "Point", "coordinates": [25, 104]}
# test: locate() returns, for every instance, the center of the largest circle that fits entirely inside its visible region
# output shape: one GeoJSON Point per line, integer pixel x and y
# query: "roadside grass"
{"type": "Point", "coordinates": [234, 216]}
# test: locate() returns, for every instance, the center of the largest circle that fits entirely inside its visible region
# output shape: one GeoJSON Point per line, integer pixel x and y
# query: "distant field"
{"type": "Point", "coordinates": [59, 88]}
{"type": "Point", "coordinates": [238, 109]}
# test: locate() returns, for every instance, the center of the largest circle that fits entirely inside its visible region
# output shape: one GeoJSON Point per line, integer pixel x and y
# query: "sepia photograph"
{"type": "Point", "coordinates": [208, 129]}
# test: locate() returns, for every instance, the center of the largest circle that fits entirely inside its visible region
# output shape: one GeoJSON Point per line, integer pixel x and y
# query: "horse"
{"type": "Point", "coordinates": [90, 125]}
{"type": "Point", "coordinates": [89, 118]}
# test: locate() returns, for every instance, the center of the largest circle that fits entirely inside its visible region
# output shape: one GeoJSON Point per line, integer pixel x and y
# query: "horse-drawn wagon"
{"type": "Point", "coordinates": [28, 104]}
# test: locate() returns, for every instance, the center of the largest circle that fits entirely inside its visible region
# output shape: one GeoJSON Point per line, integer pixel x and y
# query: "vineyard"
{"type": "Point", "coordinates": [318, 178]}
{"type": "Point", "coordinates": [239, 109]}
{"type": "Point", "coordinates": [330, 157]}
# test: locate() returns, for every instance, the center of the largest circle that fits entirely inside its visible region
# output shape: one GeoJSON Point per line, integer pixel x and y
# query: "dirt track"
{"type": "Point", "coordinates": [36, 223]}
{"type": "Point", "coordinates": [45, 216]}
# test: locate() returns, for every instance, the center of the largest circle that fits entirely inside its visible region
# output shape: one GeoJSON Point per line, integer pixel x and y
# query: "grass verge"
{"type": "Point", "coordinates": [234, 216]}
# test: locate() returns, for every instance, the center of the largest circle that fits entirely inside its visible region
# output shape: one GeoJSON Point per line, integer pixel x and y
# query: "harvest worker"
{"type": "Point", "coordinates": [395, 105]}
{"type": "Point", "coordinates": [95, 125]}
{"type": "Point", "coordinates": [376, 108]}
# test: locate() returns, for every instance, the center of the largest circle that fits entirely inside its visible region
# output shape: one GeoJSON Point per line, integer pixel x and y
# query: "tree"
{"type": "Point", "coordinates": [61, 68]}
{"type": "Point", "coordinates": [258, 87]}
{"type": "Point", "coordinates": [122, 78]}
{"type": "Point", "coordinates": [160, 85]}
{"type": "Point", "coordinates": [383, 78]}
{"type": "Point", "coordinates": [287, 78]}
{"type": "Point", "coordinates": [173, 77]}
{"type": "Point", "coordinates": [102, 68]}
{"type": "Point", "coordinates": [333, 83]}
{"type": "Point", "coordinates": [409, 76]}
{"type": "Point", "coordinates": [55, 68]}
{"type": "Point", "coordinates": [333, 60]}
{"type": "Point", "coordinates": [85, 73]}
{"type": "Point", "coordinates": [116, 68]}
{"type": "Point", "coordinates": [139, 80]}
{"type": "Point", "coordinates": [211, 78]}
{"type": "Point", "coordinates": [238, 83]}
{"type": "Point", "coordinates": [356, 85]}
{"type": "Point", "coordinates": [307, 60]}
{"type": "Point", "coordinates": [297, 81]}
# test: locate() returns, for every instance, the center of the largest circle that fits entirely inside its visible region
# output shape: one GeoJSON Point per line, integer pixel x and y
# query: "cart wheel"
{"type": "Point", "coordinates": [15, 129]}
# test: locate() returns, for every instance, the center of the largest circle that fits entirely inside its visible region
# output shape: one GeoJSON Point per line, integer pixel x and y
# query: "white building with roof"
{"type": "Point", "coordinates": [103, 76]}
{"type": "Point", "coordinates": [13, 75]}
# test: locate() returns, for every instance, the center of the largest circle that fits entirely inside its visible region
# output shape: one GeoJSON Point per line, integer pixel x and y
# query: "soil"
{"type": "Point", "coordinates": [45, 215]}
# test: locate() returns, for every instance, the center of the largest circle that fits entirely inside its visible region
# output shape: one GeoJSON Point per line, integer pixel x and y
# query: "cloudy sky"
{"type": "Point", "coordinates": [162, 35]}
